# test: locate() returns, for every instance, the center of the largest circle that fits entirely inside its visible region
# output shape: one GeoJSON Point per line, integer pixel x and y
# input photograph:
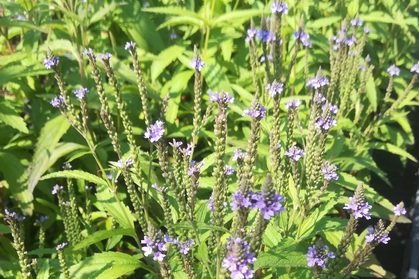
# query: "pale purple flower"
{"type": "Point", "coordinates": [265, 35]}
{"type": "Point", "coordinates": [129, 45]}
{"type": "Point", "coordinates": [187, 151]}
{"type": "Point", "coordinates": [373, 237]}
{"type": "Point", "coordinates": [41, 219]}
{"type": "Point", "coordinates": [87, 51]}
{"type": "Point", "coordinates": [317, 82]}
{"type": "Point", "coordinates": [175, 144]}
{"type": "Point", "coordinates": [222, 97]}
{"type": "Point", "coordinates": [399, 209]}
{"type": "Point", "coordinates": [333, 109]}
{"type": "Point", "coordinates": [349, 41]}
{"type": "Point", "coordinates": [294, 153]}
{"type": "Point", "coordinates": [173, 35]}
{"type": "Point", "coordinates": [303, 37]}
{"type": "Point", "coordinates": [197, 64]}
{"type": "Point", "coordinates": [81, 93]}
{"type": "Point", "coordinates": [293, 104]}
{"type": "Point", "coordinates": [185, 246]}
{"type": "Point", "coordinates": [51, 62]}
{"type": "Point", "coordinates": [155, 132]}
{"type": "Point", "coordinates": [270, 205]}
{"type": "Point", "coordinates": [56, 189]}
{"type": "Point", "coordinates": [105, 56]}
{"type": "Point", "coordinates": [210, 205]}
{"type": "Point", "coordinates": [251, 33]}
{"type": "Point", "coordinates": [356, 21]}
{"type": "Point", "coordinates": [238, 154]}
{"type": "Point", "coordinates": [239, 259]}
{"type": "Point", "coordinates": [318, 255]}
{"type": "Point", "coordinates": [279, 8]}
{"type": "Point", "coordinates": [325, 123]}
{"type": "Point", "coordinates": [57, 101]}
{"type": "Point", "coordinates": [61, 246]}
{"type": "Point", "coordinates": [367, 30]}
{"type": "Point", "coordinates": [415, 68]}
{"type": "Point", "coordinates": [329, 172]}
{"type": "Point", "coordinates": [121, 164]}
{"type": "Point", "coordinates": [263, 58]}
{"type": "Point", "coordinates": [359, 209]}
{"type": "Point", "coordinates": [393, 70]}
{"type": "Point", "coordinates": [258, 112]}
{"type": "Point", "coordinates": [229, 170]}
{"type": "Point", "coordinates": [238, 200]}
{"type": "Point", "coordinates": [275, 88]}
{"type": "Point", "coordinates": [195, 169]}
{"type": "Point", "coordinates": [12, 215]}
{"type": "Point", "coordinates": [156, 246]}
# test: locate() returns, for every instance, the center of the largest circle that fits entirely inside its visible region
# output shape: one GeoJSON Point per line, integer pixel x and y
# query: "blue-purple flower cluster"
{"type": "Point", "coordinates": [239, 259]}
{"type": "Point", "coordinates": [384, 238]}
{"type": "Point", "coordinates": [51, 62]}
{"type": "Point", "coordinates": [399, 210]}
{"type": "Point", "coordinates": [294, 153]}
{"type": "Point", "coordinates": [12, 215]}
{"type": "Point", "coordinates": [238, 154]}
{"type": "Point", "coordinates": [317, 82]}
{"type": "Point", "coordinates": [258, 112]}
{"type": "Point", "coordinates": [57, 101]}
{"type": "Point", "coordinates": [329, 172]}
{"type": "Point", "coordinates": [194, 168]}
{"type": "Point", "coordinates": [303, 37]}
{"type": "Point", "coordinates": [197, 64]}
{"type": "Point", "coordinates": [318, 255]}
{"type": "Point", "coordinates": [155, 132]}
{"type": "Point", "coordinates": [269, 205]}
{"type": "Point", "coordinates": [279, 8]}
{"type": "Point", "coordinates": [158, 247]}
{"type": "Point", "coordinates": [57, 189]}
{"type": "Point", "coordinates": [293, 104]}
{"type": "Point", "coordinates": [359, 209]}
{"type": "Point", "coordinates": [263, 35]}
{"type": "Point", "coordinates": [393, 70]}
{"type": "Point", "coordinates": [415, 68]}
{"type": "Point", "coordinates": [81, 93]}
{"type": "Point", "coordinates": [222, 97]}
{"type": "Point", "coordinates": [61, 246]}
{"type": "Point", "coordinates": [275, 88]}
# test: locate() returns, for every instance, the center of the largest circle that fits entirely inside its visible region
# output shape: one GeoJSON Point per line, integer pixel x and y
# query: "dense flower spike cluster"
{"type": "Point", "coordinates": [359, 208]}
{"type": "Point", "coordinates": [51, 62]}
{"type": "Point", "coordinates": [239, 259]}
{"type": "Point", "coordinates": [294, 153]}
{"type": "Point", "coordinates": [279, 8]}
{"type": "Point", "coordinates": [317, 255]}
{"type": "Point", "coordinates": [155, 132]}
{"type": "Point", "coordinates": [258, 112]}
{"type": "Point", "coordinates": [222, 97]}
{"type": "Point", "coordinates": [399, 210]}
{"type": "Point", "coordinates": [197, 64]}
{"type": "Point", "coordinates": [275, 88]}
{"type": "Point", "coordinates": [379, 238]}
{"type": "Point", "coordinates": [393, 70]}
{"type": "Point", "coordinates": [269, 205]}
{"type": "Point", "coordinates": [329, 172]}
{"type": "Point", "coordinates": [81, 93]}
{"type": "Point", "coordinates": [156, 246]}
{"type": "Point", "coordinates": [317, 82]}
{"type": "Point", "coordinates": [303, 37]}
{"type": "Point", "coordinates": [293, 104]}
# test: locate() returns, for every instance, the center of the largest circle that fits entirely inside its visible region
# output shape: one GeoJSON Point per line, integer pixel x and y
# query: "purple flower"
{"type": "Point", "coordinates": [61, 246]}
{"type": "Point", "coordinates": [41, 219]}
{"type": "Point", "coordinates": [359, 209]}
{"type": "Point", "coordinates": [263, 58]}
{"type": "Point", "coordinates": [271, 205]}
{"type": "Point", "coordinates": [158, 188]}
{"type": "Point", "coordinates": [258, 112]}
{"type": "Point", "coordinates": [239, 200]}
{"type": "Point", "coordinates": [329, 172]}
{"type": "Point", "coordinates": [187, 151]}
{"type": "Point", "coordinates": [130, 46]}
{"type": "Point", "coordinates": [105, 56]}
{"type": "Point", "coordinates": [57, 101]}
{"type": "Point", "coordinates": [155, 132]}
{"type": "Point", "coordinates": [349, 41]}
{"type": "Point", "coordinates": [294, 153]}
{"type": "Point", "coordinates": [367, 30]}
{"type": "Point", "coordinates": [194, 169]}
{"type": "Point", "coordinates": [222, 97]}
{"type": "Point", "coordinates": [122, 165]}
{"type": "Point", "coordinates": [197, 64]}
{"type": "Point", "coordinates": [303, 37]}
{"type": "Point", "coordinates": [112, 174]}
{"type": "Point", "coordinates": [265, 35]}
{"type": "Point", "coordinates": [384, 238]}
{"type": "Point", "coordinates": [275, 88]}
{"type": "Point", "coordinates": [251, 33]}
{"type": "Point", "coordinates": [155, 246]}
{"type": "Point", "coordinates": [325, 123]}
{"type": "Point", "coordinates": [393, 70]}
{"type": "Point", "coordinates": [279, 8]}
{"type": "Point", "coordinates": [87, 51]}
{"type": "Point", "coordinates": [317, 82]}
{"type": "Point", "coordinates": [12, 215]}
{"type": "Point", "coordinates": [293, 104]}
{"type": "Point", "coordinates": [210, 205]}
{"type": "Point", "coordinates": [239, 259]}
{"type": "Point", "coordinates": [415, 68]}
{"type": "Point", "coordinates": [356, 21]}
{"type": "Point", "coordinates": [81, 93]}
{"type": "Point", "coordinates": [229, 170]}
{"type": "Point", "coordinates": [175, 144]}
{"type": "Point", "coordinates": [333, 109]}
{"type": "Point", "coordinates": [238, 154]}
{"type": "Point", "coordinates": [185, 246]}
{"type": "Point", "coordinates": [56, 189]}
{"type": "Point", "coordinates": [173, 35]}
{"type": "Point", "coordinates": [318, 255]}
{"type": "Point", "coordinates": [399, 209]}
{"type": "Point", "coordinates": [51, 62]}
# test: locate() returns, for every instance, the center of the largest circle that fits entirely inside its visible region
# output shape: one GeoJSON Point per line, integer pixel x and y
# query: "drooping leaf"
{"type": "Point", "coordinates": [76, 174]}
{"type": "Point", "coordinates": [101, 235]}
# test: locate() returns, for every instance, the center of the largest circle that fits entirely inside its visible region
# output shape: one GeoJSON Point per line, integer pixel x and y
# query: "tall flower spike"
{"type": "Point", "coordinates": [357, 204]}
{"type": "Point", "coordinates": [239, 259]}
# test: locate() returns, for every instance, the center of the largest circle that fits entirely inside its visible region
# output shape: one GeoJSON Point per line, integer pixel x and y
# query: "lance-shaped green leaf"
{"type": "Point", "coordinates": [101, 235]}
{"type": "Point", "coordinates": [10, 117]}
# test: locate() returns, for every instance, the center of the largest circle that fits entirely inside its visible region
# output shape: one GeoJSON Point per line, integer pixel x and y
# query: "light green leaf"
{"type": "Point", "coordinates": [102, 12]}
{"type": "Point", "coordinates": [322, 22]}
{"type": "Point", "coordinates": [202, 254]}
{"type": "Point", "coordinates": [283, 259]}
{"type": "Point", "coordinates": [236, 17]}
{"type": "Point", "coordinates": [15, 175]}
{"type": "Point", "coordinates": [101, 235]}
{"type": "Point", "coordinates": [164, 59]}
{"type": "Point", "coordinates": [371, 92]}
{"type": "Point", "coordinates": [10, 117]}
{"type": "Point", "coordinates": [109, 265]}
{"type": "Point", "coordinates": [76, 174]}
{"type": "Point", "coordinates": [392, 149]}
{"type": "Point", "coordinates": [44, 271]}
{"type": "Point", "coordinates": [378, 16]}
{"type": "Point", "coordinates": [173, 11]}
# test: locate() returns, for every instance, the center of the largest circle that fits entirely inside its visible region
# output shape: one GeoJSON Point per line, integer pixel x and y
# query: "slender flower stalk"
{"type": "Point", "coordinates": [63, 265]}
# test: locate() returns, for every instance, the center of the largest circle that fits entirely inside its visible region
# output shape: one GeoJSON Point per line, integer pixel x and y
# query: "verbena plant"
{"type": "Point", "coordinates": [191, 199]}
